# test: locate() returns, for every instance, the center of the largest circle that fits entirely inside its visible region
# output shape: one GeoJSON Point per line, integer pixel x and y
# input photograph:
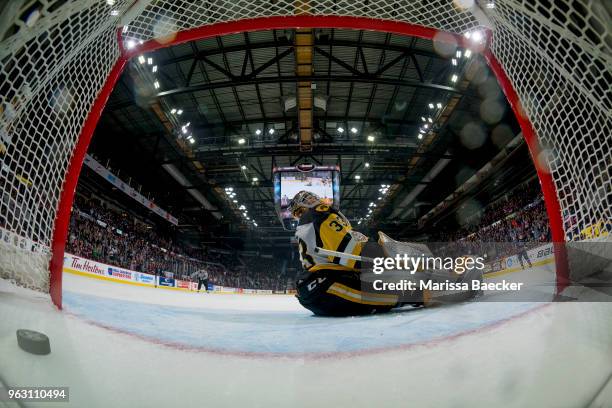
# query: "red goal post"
{"type": "Point", "coordinates": [58, 68]}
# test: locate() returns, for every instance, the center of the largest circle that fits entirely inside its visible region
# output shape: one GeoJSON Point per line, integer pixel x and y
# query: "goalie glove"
{"type": "Point", "coordinates": [392, 247]}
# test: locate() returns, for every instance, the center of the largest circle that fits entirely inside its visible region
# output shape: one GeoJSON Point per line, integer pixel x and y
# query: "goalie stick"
{"type": "Point", "coordinates": [391, 247]}
{"type": "Point", "coordinates": [343, 255]}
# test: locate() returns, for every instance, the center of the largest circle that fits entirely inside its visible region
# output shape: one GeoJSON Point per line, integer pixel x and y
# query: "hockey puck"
{"type": "Point", "coordinates": [33, 342]}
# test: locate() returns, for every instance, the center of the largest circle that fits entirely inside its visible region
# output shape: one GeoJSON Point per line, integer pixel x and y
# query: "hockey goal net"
{"type": "Point", "coordinates": [60, 59]}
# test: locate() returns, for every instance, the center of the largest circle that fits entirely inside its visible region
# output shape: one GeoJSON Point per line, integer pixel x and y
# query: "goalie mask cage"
{"type": "Point", "coordinates": [59, 61]}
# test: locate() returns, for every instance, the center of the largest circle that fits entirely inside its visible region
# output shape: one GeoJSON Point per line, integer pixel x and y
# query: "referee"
{"type": "Point", "coordinates": [202, 275]}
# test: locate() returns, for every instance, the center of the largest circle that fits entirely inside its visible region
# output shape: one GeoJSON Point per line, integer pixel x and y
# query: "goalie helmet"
{"type": "Point", "coordinates": [303, 200]}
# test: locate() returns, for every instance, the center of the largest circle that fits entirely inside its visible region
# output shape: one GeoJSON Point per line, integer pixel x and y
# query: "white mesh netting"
{"type": "Point", "coordinates": [558, 56]}
{"type": "Point", "coordinates": [56, 55]}
{"type": "Point", "coordinates": [50, 73]}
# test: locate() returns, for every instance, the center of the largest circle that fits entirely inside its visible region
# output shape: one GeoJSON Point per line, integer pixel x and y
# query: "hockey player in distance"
{"type": "Point", "coordinates": [202, 277]}
{"type": "Point", "coordinates": [330, 286]}
{"type": "Point", "coordinates": [522, 247]}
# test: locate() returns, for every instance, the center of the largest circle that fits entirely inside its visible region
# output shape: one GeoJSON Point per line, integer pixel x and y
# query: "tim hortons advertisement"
{"type": "Point", "coordinates": [84, 265]}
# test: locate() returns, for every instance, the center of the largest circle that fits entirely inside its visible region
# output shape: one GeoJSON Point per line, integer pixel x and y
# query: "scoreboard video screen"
{"type": "Point", "coordinates": [323, 181]}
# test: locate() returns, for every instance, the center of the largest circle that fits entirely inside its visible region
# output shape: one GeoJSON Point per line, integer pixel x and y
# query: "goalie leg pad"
{"type": "Point", "coordinates": [337, 293]}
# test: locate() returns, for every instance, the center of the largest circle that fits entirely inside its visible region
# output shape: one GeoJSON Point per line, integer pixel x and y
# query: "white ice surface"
{"type": "Point", "coordinates": [125, 346]}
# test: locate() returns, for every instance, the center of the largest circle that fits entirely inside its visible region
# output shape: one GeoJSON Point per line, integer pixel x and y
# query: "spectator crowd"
{"type": "Point", "coordinates": [515, 222]}
{"type": "Point", "coordinates": [104, 234]}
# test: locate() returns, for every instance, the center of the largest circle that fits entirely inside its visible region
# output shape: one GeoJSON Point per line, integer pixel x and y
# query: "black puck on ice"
{"type": "Point", "coordinates": [33, 342]}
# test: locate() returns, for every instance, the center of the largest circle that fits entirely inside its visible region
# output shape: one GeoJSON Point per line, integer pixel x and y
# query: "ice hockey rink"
{"type": "Point", "coordinates": [119, 345]}
{"type": "Point", "coordinates": [156, 135]}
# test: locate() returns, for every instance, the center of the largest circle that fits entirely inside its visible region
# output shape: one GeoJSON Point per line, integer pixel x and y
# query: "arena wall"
{"type": "Point", "coordinates": [77, 265]}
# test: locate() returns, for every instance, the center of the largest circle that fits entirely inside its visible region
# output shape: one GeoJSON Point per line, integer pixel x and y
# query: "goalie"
{"type": "Point", "coordinates": [332, 253]}
{"type": "Point", "coordinates": [329, 285]}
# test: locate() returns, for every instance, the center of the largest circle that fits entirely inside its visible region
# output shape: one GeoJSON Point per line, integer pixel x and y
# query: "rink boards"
{"type": "Point", "coordinates": [96, 270]}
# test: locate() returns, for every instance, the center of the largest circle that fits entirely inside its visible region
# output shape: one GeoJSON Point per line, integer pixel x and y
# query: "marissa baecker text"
{"type": "Point", "coordinates": [406, 285]}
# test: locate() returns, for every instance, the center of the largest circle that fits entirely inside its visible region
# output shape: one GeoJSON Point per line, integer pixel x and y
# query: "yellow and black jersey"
{"type": "Point", "coordinates": [325, 227]}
